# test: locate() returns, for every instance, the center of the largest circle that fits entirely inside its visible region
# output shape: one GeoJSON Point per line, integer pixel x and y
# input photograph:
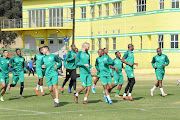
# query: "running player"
{"type": "Point", "coordinates": [51, 63]}
{"type": "Point", "coordinates": [117, 73]}
{"type": "Point", "coordinates": [128, 59]}
{"type": "Point", "coordinates": [102, 65]}
{"type": "Point", "coordinates": [83, 61]}
{"type": "Point", "coordinates": [159, 62]}
{"type": "Point", "coordinates": [70, 69]}
{"type": "Point", "coordinates": [17, 63]}
{"type": "Point", "coordinates": [4, 73]}
{"type": "Point", "coordinates": [40, 71]}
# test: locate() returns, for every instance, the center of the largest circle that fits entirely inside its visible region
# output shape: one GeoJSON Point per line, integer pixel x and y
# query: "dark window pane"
{"type": "Point", "coordinates": [172, 37]}
{"type": "Point", "coordinates": [176, 38]}
{"type": "Point", "coordinates": [176, 44]}
{"type": "Point", "coordinates": [42, 41]}
{"type": "Point", "coordinates": [173, 4]}
{"type": "Point", "coordinates": [172, 44]}
{"type": "Point", "coordinates": [177, 4]}
{"type": "Point", "coordinates": [162, 45]}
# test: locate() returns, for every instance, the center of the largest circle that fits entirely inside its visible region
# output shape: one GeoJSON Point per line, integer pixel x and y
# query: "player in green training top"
{"type": "Point", "coordinates": [83, 61]}
{"type": "Point", "coordinates": [159, 62]}
{"type": "Point", "coordinates": [17, 63]}
{"type": "Point", "coordinates": [103, 66]}
{"type": "Point", "coordinates": [4, 73]}
{"type": "Point", "coordinates": [40, 71]}
{"type": "Point", "coordinates": [117, 73]}
{"type": "Point", "coordinates": [128, 59]}
{"type": "Point", "coordinates": [51, 63]}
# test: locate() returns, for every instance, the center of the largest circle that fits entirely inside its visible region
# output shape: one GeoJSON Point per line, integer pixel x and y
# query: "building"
{"type": "Point", "coordinates": [148, 24]}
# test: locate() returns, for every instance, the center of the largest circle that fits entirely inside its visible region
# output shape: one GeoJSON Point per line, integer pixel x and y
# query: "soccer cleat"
{"type": "Point", "coordinates": [21, 97]}
{"type": "Point", "coordinates": [75, 98]}
{"type": "Point", "coordinates": [62, 90]}
{"type": "Point", "coordinates": [69, 90]}
{"type": "Point", "coordinates": [36, 92]}
{"type": "Point", "coordinates": [178, 82]}
{"type": "Point", "coordinates": [164, 95]}
{"type": "Point", "coordinates": [124, 98]}
{"type": "Point", "coordinates": [130, 98]}
{"type": "Point", "coordinates": [152, 92]}
{"type": "Point", "coordinates": [106, 99]}
{"type": "Point", "coordinates": [117, 96]}
{"type": "Point", "coordinates": [2, 100]}
{"type": "Point", "coordinates": [110, 101]}
{"type": "Point", "coordinates": [93, 90]}
{"type": "Point", "coordinates": [56, 104]}
{"type": "Point", "coordinates": [85, 102]}
{"type": "Point", "coordinates": [42, 93]}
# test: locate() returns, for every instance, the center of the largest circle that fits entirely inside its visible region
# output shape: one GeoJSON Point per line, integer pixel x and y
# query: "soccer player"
{"type": "Point", "coordinates": [159, 62]}
{"type": "Point", "coordinates": [117, 73]}
{"type": "Point", "coordinates": [70, 69]}
{"type": "Point", "coordinates": [102, 65]}
{"type": "Point", "coordinates": [40, 71]}
{"type": "Point", "coordinates": [51, 63]}
{"type": "Point", "coordinates": [31, 67]}
{"type": "Point", "coordinates": [4, 73]}
{"type": "Point", "coordinates": [83, 61]}
{"type": "Point", "coordinates": [17, 63]}
{"type": "Point", "coordinates": [128, 59]}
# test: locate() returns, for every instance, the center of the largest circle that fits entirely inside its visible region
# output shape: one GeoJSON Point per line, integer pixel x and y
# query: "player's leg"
{"type": "Point", "coordinates": [14, 81]}
{"type": "Point", "coordinates": [88, 84]}
{"type": "Point", "coordinates": [95, 82]}
{"type": "Point", "coordinates": [2, 90]}
{"type": "Point", "coordinates": [116, 80]}
{"type": "Point", "coordinates": [33, 71]}
{"type": "Point", "coordinates": [21, 89]}
{"type": "Point", "coordinates": [161, 88]}
{"type": "Point", "coordinates": [30, 71]}
{"type": "Point", "coordinates": [120, 85]}
{"type": "Point", "coordinates": [51, 92]}
{"type": "Point", "coordinates": [126, 89]}
{"type": "Point", "coordinates": [67, 78]}
{"type": "Point", "coordinates": [21, 81]}
{"type": "Point", "coordinates": [153, 89]}
{"type": "Point", "coordinates": [131, 88]}
{"type": "Point", "coordinates": [41, 86]}
{"type": "Point", "coordinates": [73, 78]}
{"type": "Point", "coordinates": [108, 96]}
{"type": "Point", "coordinates": [56, 95]}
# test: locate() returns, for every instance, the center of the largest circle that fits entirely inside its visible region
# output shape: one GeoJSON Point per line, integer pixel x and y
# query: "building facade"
{"type": "Point", "coordinates": [148, 24]}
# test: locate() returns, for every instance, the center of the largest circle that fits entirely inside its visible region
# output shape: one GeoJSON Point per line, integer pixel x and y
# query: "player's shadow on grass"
{"type": "Point", "coordinates": [167, 95]}
{"type": "Point", "coordinates": [138, 98]}
{"type": "Point", "coordinates": [115, 101]}
{"type": "Point", "coordinates": [27, 96]}
{"type": "Point", "coordinates": [64, 103]}
{"type": "Point", "coordinates": [94, 101]}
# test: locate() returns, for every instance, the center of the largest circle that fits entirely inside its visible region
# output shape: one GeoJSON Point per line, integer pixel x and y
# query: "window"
{"type": "Point", "coordinates": [174, 41]}
{"type": "Point", "coordinates": [141, 5]}
{"type": "Point", "coordinates": [100, 10]}
{"type": "Point", "coordinates": [93, 48]}
{"type": "Point", "coordinates": [42, 42]}
{"type": "Point", "coordinates": [175, 3]}
{"type": "Point", "coordinates": [107, 43]}
{"type": "Point", "coordinates": [92, 11]}
{"type": "Point", "coordinates": [160, 41]}
{"type": "Point", "coordinates": [99, 43]}
{"type": "Point", "coordinates": [107, 9]}
{"type": "Point", "coordinates": [114, 43]}
{"type": "Point", "coordinates": [36, 18]}
{"type": "Point", "coordinates": [51, 42]}
{"type": "Point", "coordinates": [161, 4]}
{"type": "Point", "coordinates": [117, 8]}
{"type": "Point", "coordinates": [55, 17]}
{"type": "Point", "coordinates": [71, 10]}
{"type": "Point", "coordinates": [83, 12]}
{"type": "Point", "coordinates": [141, 42]}
{"type": "Point", "coordinates": [60, 41]}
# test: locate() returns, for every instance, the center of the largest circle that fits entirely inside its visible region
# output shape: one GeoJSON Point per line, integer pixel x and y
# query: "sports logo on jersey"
{"type": "Point", "coordinates": [131, 74]}
{"type": "Point", "coordinates": [1, 80]}
{"type": "Point", "coordinates": [162, 57]}
{"type": "Point", "coordinates": [50, 58]}
{"type": "Point", "coordinates": [39, 75]}
{"type": "Point", "coordinates": [21, 59]}
{"type": "Point", "coordinates": [83, 83]}
{"type": "Point", "coordinates": [7, 61]}
{"type": "Point", "coordinates": [105, 58]}
{"type": "Point", "coordinates": [115, 81]}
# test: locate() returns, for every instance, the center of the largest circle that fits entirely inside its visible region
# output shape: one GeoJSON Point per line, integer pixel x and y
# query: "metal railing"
{"type": "Point", "coordinates": [36, 22]}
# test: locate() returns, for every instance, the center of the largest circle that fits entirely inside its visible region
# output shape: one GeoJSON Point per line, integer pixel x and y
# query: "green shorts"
{"type": "Point", "coordinates": [118, 78]}
{"type": "Point", "coordinates": [4, 78]}
{"type": "Point", "coordinates": [52, 79]}
{"type": "Point", "coordinates": [86, 80]}
{"type": "Point", "coordinates": [159, 74]}
{"type": "Point", "coordinates": [130, 73]}
{"type": "Point", "coordinates": [106, 80]}
{"type": "Point", "coordinates": [40, 73]}
{"type": "Point", "coordinates": [18, 77]}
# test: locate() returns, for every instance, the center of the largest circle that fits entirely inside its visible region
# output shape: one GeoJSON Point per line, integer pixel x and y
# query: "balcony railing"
{"type": "Point", "coordinates": [36, 22]}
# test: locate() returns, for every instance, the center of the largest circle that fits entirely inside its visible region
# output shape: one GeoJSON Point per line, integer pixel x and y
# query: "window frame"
{"type": "Point", "coordinates": [83, 12]}
{"type": "Point", "coordinates": [140, 5]}
{"type": "Point", "coordinates": [174, 41]}
{"type": "Point", "coordinates": [114, 43]}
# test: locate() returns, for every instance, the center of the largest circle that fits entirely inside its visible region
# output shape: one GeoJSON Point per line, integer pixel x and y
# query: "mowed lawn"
{"type": "Point", "coordinates": [144, 107]}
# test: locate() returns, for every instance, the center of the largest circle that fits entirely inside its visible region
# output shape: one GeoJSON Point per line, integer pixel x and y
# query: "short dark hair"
{"type": "Point", "coordinates": [46, 47]}
{"type": "Point", "coordinates": [73, 45]}
{"type": "Point", "coordinates": [17, 49]}
{"type": "Point", "coordinates": [130, 45]}
{"type": "Point", "coordinates": [105, 48]}
{"type": "Point", "coordinates": [4, 51]}
{"type": "Point", "coordinates": [31, 58]}
{"type": "Point", "coordinates": [40, 48]}
{"type": "Point", "coordinates": [116, 52]}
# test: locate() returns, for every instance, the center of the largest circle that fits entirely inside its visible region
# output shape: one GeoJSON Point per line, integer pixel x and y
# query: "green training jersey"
{"type": "Point", "coordinates": [50, 61]}
{"type": "Point", "coordinates": [18, 64]}
{"type": "Point", "coordinates": [102, 63]}
{"type": "Point", "coordinates": [1, 55]}
{"type": "Point", "coordinates": [4, 64]}
{"type": "Point", "coordinates": [70, 60]}
{"type": "Point", "coordinates": [129, 56]}
{"type": "Point", "coordinates": [83, 58]}
{"type": "Point", "coordinates": [159, 60]}
{"type": "Point", "coordinates": [38, 58]}
{"type": "Point", "coordinates": [118, 64]}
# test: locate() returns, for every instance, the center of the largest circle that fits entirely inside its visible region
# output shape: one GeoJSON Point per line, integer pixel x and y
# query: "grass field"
{"type": "Point", "coordinates": [144, 107]}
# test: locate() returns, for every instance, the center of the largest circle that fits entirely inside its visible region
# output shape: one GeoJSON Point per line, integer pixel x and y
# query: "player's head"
{"type": "Point", "coordinates": [159, 52]}
{"type": "Point", "coordinates": [73, 47]}
{"type": "Point", "coordinates": [100, 52]}
{"type": "Point", "coordinates": [118, 54]}
{"type": "Point", "coordinates": [106, 51]}
{"type": "Point", "coordinates": [32, 59]}
{"type": "Point", "coordinates": [58, 55]}
{"type": "Point", "coordinates": [130, 47]}
{"type": "Point", "coordinates": [85, 46]}
{"type": "Point", "coordinates": [40, 50]}
{"type": "Point", "coordinates": [76, 50]}
{"type": "Point", "coordinates": [18, 52]}
{"type": "Point", "coordinates": [5, 53]}
{"type": "Point", "coordinates": [45, 50]}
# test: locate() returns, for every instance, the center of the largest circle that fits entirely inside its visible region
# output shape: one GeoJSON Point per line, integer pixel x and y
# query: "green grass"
{"type": "Point", "coordinates": [144, 107]}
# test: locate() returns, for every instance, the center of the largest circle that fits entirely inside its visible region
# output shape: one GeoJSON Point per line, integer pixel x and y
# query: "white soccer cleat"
{"type": "Point", "coordinates": [164, 94]}
{"type": "Point", "coordinates": [152, 92]}
{"type": "Point", "coordinates": [178, 82]}
{"type": "Point", "coordinates": [117, 96]}
{"type": "Point", "coordinates": [2, 100]}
